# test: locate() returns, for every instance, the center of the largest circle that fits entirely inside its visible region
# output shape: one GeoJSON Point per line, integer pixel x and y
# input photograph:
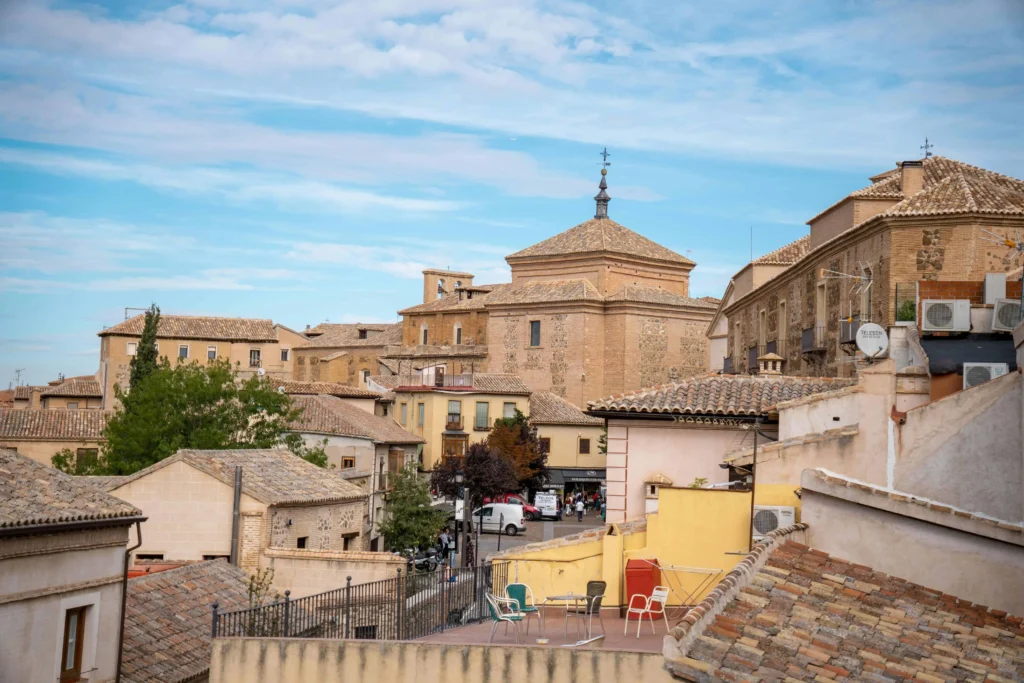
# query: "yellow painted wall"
{"type": "Point", "coordinates": [565, 445]}
{"type": "Point", "coordinates": [558, 570]}
{"type": "Point", "coordinates": [436, 415]}
{"type": "Point", "coordinates": [778, 494]}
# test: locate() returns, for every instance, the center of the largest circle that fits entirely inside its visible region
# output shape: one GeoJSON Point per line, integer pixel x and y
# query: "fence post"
{"type": "Point", "coordinates": [287, 611]}
{"type": "Point", "coordinates": [398, 605]}
{"type": "Point", "coordinates": [444, 604]}
{"type": "Point", "coordinates": [213, 631]}
{"type": "Point", "coordinates": [348, 605]}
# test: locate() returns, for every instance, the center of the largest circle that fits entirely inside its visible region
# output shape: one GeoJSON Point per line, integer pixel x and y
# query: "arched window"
{"type": "Point", "coordinates": [457, 333]}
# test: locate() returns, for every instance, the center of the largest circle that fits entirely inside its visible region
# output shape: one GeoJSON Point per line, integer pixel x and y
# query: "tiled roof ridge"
{"type": "Point", "coordinates": [727, 378]}
{"type": "Point", "coordinates": [701, 616]}
{"type": "Point", "coordinates": [592, 237]}
{"type": "Point", "coordinates": [912, 499]}
{"type": "Point", "coordinates": [84, 387]}
{"type": "Point", "coordinates": [770, 257]}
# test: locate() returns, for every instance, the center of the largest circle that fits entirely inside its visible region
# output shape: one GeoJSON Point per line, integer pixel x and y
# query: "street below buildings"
{"type": "Point", "coordinates": [535, 532]}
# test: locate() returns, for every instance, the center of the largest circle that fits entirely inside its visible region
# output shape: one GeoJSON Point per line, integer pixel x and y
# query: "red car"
{"type": "Point", "coordinates": [530, 512]}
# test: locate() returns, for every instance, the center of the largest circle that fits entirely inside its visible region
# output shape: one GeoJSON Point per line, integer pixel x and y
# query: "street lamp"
{"type": "Point", "coordinates": [464, 541]}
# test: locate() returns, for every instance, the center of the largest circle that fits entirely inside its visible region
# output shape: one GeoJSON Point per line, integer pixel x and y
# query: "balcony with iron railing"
{"type": "Point", "coordinates": [848, 329]}
{"type": "Point", "coordinates": [453, 423]}
{"type": "Point", "coordinates": [727, 366]}
{"type": "Point", "coordinates": [812, 339]}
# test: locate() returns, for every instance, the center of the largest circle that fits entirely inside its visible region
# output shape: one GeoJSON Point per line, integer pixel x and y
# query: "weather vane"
{"type": "Point", "coordinates": [604, 156]}
{"type": "Point", "coordinates": [926, 147]}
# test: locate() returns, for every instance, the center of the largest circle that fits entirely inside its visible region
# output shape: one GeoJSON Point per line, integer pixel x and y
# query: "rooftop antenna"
{"type": "Point", "coordinates": [926, 147]}
{"type": "Point", "coordinates": [17, 376]}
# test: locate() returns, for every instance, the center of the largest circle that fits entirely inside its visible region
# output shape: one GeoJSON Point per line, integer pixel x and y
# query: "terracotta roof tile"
{"type": "Point", "coordinates": [719, 395]}
{"type": "Point", "coordinates": [296, 388]}
{"type": "Point", "coordinates": [548, 408]}
{"type": "Point", "coordinates": [600, 235]}
{"type": "Point", "coordinates": [545, 292]}
{"type": "Point", "coordinates": [55, 425]}
{"type": "Point", "coordinates": [805, 615]}
{"type": "Point", "coordinates": [197, 327]}
{"type": "Point", "coordinates": [167, 619]}
{"type": "Point", "coordinates": [274, 476]}
{"type": "Point", "coordinates": [32, 494]}
{"type": "Point", "coordinates": [347, 335]}
{"type": "Point", "coordinates": [24, 393]}
{"type": "Point", "coordinates": [482, 382]}
{"type": "Point", "coordinates": [787, 254]}
{"type": "Point", "coordinates": [334, 417]}
{"type": "Point", "coordinates": [453, 302]}
{"type": "Point", "coordinates": [79, 388]}
{"type": "Point", "coordinates": [651, 295]}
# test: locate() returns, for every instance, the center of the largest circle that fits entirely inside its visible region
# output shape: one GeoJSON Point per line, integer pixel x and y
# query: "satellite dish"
{"type": "Point", "coordinates": [872, 340]}
{"type": "Point", "coordinates": [261, 372]}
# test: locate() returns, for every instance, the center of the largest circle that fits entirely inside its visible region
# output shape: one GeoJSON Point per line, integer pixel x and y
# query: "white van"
{"type": "Point", "coordinates": [500, 518]}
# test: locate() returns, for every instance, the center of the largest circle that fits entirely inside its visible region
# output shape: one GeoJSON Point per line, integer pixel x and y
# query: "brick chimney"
{"type": "Point", "coordinates": [35, 397]}
{"type": "Point", "coordinates": [911, 177]}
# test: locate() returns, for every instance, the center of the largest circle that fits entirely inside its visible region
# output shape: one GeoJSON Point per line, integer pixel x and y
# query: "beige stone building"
{"type": "Point", "coordinates": [571, 438]}
{"type": "Point", "coordinates": [74, 393]}
{"type": "Point", "coordinates": [450, 412]}
{"type": "Point", "coordinates": [344, 353]}
{"type": "Point", "coordinates": [40, 433]}
{"type": "Point", "coordinates": [249, 343]}
{"type": "Point", "coordinates": [62, 570]}
{"type": "Point", "coordinates": [291, 512]}
{"type": "Point", "coordinates": [925, 221]}
{"type": "Point", "coordinates": [595, 310]}
{"type": "Point", "coordinates": [365, 449]}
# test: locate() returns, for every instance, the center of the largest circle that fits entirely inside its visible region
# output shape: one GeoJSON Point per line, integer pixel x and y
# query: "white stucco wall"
{"type": "Point", "coordinates": [78, 569]}
{"type": "Point", "coordinates": [189, 512]}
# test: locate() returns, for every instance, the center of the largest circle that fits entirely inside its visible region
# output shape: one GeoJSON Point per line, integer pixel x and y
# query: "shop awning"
{"type": "Point", "coordinates": [580, 476]}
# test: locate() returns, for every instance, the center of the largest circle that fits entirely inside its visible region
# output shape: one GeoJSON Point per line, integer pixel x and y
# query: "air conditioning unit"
{"type": "Point", "coordinates": [946, 315]}
{"type": "Point", "coordinates": [768, 518]}
{"type": "Point", "coordinates": [1006, 315]}
{"type": "Point", "coordinates": [979, 373]}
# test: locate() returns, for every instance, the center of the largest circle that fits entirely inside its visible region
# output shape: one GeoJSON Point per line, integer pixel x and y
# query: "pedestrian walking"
{"type": "Point", "coordinates": [579, 510]}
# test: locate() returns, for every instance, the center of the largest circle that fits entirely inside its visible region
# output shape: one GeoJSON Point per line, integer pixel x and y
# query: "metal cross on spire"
{"type": "Point", "coordinates": [604, 156]}
{"type": "Point", "coordinates": [602, 197]}
{"type": "Point", "coordinates": [926, 147]}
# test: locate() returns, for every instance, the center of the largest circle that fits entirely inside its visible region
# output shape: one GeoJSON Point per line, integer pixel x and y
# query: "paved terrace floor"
{"type": "Point", "coordinates": [554, 629]}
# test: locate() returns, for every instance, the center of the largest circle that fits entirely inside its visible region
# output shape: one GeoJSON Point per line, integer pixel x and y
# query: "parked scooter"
{"type": "Point", "coordinates": [422, 561]}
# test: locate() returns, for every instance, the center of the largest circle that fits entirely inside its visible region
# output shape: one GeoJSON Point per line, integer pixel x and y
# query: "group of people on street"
{"type": "Point", "coordinates": [579, 502]}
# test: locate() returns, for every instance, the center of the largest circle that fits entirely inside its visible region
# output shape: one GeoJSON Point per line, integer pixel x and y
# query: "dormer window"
{"type": "Point", "coordinates": [362, 334]}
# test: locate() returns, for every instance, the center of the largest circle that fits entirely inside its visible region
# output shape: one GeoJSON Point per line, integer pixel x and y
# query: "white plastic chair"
{"type": "Point", "coordinates": [658, 597]}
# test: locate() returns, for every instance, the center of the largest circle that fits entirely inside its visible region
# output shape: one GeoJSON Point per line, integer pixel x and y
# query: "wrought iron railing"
{"type": "Point", "coordinates": [454, 422]}
{"type": "Point", "coordinates": [727, 366]}
{"type": "Point", "coordinates": [848, 329]}
{"type": "Point", "coordinates": [813, 339]}
{"type": "Point", "coordinates": [403, 608]}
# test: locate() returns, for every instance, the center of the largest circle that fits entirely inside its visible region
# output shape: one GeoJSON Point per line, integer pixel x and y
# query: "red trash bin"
{"type": "Point", "coordinates": [641, 578]}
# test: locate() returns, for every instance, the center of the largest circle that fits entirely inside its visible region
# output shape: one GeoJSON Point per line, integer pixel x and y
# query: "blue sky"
{"type": "Point", "coordinates": [303, 160]}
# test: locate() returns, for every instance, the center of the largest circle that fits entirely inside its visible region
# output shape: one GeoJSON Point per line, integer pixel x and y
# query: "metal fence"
{"type": "Point", "coordinates": [406, 607]}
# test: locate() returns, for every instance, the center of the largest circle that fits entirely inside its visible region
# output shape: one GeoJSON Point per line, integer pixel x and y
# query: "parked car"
{"type": "Point", "coordinates": [548, 505]}
{"type": "Point", "coordinates": [500, 518]}
{"type": "Point", "coordinates": [530, 512]}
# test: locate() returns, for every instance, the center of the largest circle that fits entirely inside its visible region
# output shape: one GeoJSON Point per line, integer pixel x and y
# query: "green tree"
{"type": "Point", "coordinates": [485, 472]}
{"type": "Point", "coordinates": [602, 440]}
{"type": "Point", "coordinates": [410, 520]}
{"type": "Point", "coordinates": [145, 361]}
{"type": "Point", "coordinates": [316, 454]}
{"type": "Point", "coordinates": [68, 462]}
{"type": "Point", "coordinates": [513, 439]}
{"type": "Point", "coordinates": [193, 406]}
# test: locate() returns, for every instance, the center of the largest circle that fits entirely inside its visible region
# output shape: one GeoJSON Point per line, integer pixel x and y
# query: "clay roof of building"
{"type": "Point", "coordinates": [347, 335]}
{"type": "Point", "coordinates": [53, 425]}
{"type": "Point", "coordinates": [545, 292]}
{"type": "Point", "coordinates": [199, 327]}
{"type": "Point", "coordinates": [273, 476]}
{"type": "Point", "coordinates": [386, 381]}
{"type": "Point", "coordinates": [454, 302]}
{"type": "Point", "coordinates": [167, 619]}
{"type": "Point", "coordinates": [23, 393]}
{"type": "Point", "coordinates": [78, 388]}
{"type": "Point", "coordinates": [482, 382]}
{"type": "Point", "coordinates": [332, 416]}
{"type": "Point", "coordinates": [32, 494]}
{"type": "Point", "coordinates": [296, 388]}
{"type": "Point", "coordinates": [600, 235]}
{"type": "Point", "coordinates": [6, 397]}
{"type": "Point", "coordinates": [787, 254]}
{"type": "Point", "coordinates": [549, 408]}
{"type": "Point", "coordinates": [805, 615]}
{"type": "Point", "coordinates": [719, 395]}
{"type": "Point", "coordinates": [652, 295]}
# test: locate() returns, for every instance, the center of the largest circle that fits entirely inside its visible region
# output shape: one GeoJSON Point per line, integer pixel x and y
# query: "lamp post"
{"type": "Point", "coordinates": [753, 483]}
{"type": "Point", "coordinates": [463, 542]}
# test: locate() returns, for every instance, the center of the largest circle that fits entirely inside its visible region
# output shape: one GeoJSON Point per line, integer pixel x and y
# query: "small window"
{"type": "Point", "coordinates": [364, 375]}
{"type": "Point", "coordinates": [207, 558]}
{"type": "Point", "coordinates": [584, 446]}
{"type": "Point", "coordinates": [362, 334]}
{"type": "Point", "coordinates": [71, 649]}
{"type": "Point", "coordinates": [133, 347]}
{"type": "Point", "coordinates": [534, 333]}
{"type": "Point", "coordinates": [458, 333]}
{"type": "Point", "coordinates": [211, 353]}
{"type": "Point", "coordinates": [285, 353]}
{"type": "Point", "coordinates": [348, 541]}
{"type": "Point", "coordinates": [183, 351]}
{"type": "Point", "coordinates": [455, 407]}
{"type": "Point", "coordinates": [508, 410]}
{"type": "Point", "coordinates": [9, 448]}
{"type": "Point", "coordinates": [149, 556]}
{"type": "Point", "coordinates": [482, 415]}
{"type": "Point", "coordinates": [348, 463]}
{"type": "Point", "coordinates": [300, 542]}
{"type": "Point", "coordinates": [72, 405]}
{"type": "Point", "coordinates": [421, 410]}
{"type": "Point", "coordinates": [384, 409]}
{"type": "Point", "coordinates": [254, 358]}
{"type": "Point", "coordinates": [404, 410]}
{"type": "Point", "coordinates": [545, 445]}
{"type": "Point", "coordinates": [87, 457]}
{"type": "Point", "coordinates": [156, 345]}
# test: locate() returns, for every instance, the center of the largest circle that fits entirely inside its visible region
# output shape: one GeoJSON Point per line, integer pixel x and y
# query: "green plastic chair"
{"type": "Point", "coordinates": [523, 596]}
{"type": "Point", "coordinates": [503, 611]}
